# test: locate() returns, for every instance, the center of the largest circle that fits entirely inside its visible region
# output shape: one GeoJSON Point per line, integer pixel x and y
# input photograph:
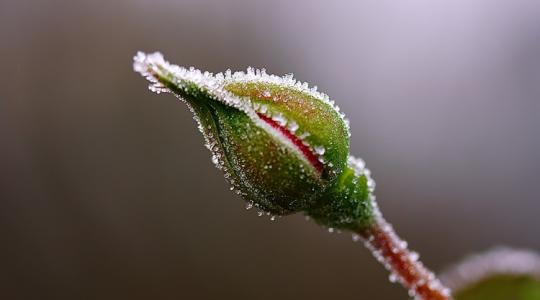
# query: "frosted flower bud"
{"type": "Point", "coordinates": [281, 145]}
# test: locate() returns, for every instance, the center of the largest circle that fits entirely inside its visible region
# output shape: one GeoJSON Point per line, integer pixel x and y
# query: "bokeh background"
{"type": "Point", "coordinates": [106, 190]}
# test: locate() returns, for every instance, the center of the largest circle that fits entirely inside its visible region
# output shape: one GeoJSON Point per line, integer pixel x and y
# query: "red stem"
{"type": "Point", "coordinates": [403, 264]}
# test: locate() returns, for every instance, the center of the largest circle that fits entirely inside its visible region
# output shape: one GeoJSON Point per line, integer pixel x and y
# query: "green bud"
{"type": "Point", "coordinates": [498, 274]}
{"type": "Point", "coordinates": [283, 146]}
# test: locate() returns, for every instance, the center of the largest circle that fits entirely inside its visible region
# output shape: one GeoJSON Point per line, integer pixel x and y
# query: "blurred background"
{"type": "Point", "coordinates": [107, 192]}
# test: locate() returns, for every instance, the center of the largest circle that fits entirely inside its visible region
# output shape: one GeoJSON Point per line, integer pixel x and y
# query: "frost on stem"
{"type": "Point", "coordinates": [404, 265]}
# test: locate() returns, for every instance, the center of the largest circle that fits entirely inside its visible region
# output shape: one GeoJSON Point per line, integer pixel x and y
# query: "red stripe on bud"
{"type": "Point", "coordinates": [308, 154]}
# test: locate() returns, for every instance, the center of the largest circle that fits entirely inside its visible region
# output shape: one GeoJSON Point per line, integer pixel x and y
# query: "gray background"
{"type": "Point", "coordinates": [106, 190]}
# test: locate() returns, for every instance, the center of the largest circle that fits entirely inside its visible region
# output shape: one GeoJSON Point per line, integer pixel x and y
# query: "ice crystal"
{"type": "Point", "coordinates": [497, 261]}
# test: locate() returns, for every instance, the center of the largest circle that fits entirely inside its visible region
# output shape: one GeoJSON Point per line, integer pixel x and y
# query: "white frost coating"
{"type": "Point", "coordinates": [500, 260]}
{"type": "Point", "coordinates": [260, 75]}
{"type": "Point", "coordinates": [293, 126]}
{"type": "Point", "coordinates": [319, 150]}
{"type": "Point", "coordinates": [360, 169]}
{"type": "Point", "coordinates": [398, 247]}
{"type": "Point", "coordinates": [153, 65]}
{"type": "Point", "coordinates": [280, 119]}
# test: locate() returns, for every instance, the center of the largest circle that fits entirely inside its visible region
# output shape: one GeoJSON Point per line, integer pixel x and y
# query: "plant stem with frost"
{"type": "Point", "coordinates": [252, 123]}
{"type": "Point", "coordinates": [403, 264]}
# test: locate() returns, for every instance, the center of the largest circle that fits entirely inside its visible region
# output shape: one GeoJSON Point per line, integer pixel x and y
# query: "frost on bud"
{"type": "Point", "coordinates": [282, 145]}
{"type": "Point", "coordinates": [348, 202]}
{"type": "Point", "coordinates": [498, 274]}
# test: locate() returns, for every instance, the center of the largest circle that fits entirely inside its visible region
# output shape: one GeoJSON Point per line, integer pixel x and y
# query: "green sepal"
{"type": "Point", "coordinates": [347, 203]}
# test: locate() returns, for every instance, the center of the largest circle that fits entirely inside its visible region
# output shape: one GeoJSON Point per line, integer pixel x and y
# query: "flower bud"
{"type": "Point", "coordinates": [498, 274]}
{"type": "Point", "coordinates": [281, 144]}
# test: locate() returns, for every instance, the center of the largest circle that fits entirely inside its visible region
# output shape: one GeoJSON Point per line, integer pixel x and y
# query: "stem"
{"type": "Point", "coordinates": [403, 264]}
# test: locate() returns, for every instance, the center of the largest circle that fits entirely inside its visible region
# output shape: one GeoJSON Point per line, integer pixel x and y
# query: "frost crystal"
{"type": "Point", "coordinates": [319, 150]}
{"type": "Point", "coordinates": [360, 169]}
{"type": "Point", "coordinates": [403, 264]}
{"type": "Point", "coordinates": [497, 261]}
